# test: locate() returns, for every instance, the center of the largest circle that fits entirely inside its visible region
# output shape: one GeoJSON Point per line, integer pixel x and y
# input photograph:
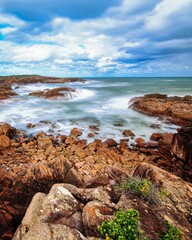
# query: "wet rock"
{"type": "Point", "coordinates": [6, 92]}
{"type": "Point", "coordinates": [140, 142]}
{"type": "Point", "coordinates": [75, 132]}
{"type": "Point", "coordinates": [56, 93]}
{"type": "Point", "coordinates": [156, 136]}
{"type": "Point", "coordinates": [177, 110]}
{"type": "Point", "coordinates": [128, 133]}
{"type": "Point", "coordinates": [110, 142]}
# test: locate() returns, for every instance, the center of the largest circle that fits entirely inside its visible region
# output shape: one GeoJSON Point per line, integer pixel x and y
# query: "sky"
{"type": "Point", "coordinates": [96, 38]}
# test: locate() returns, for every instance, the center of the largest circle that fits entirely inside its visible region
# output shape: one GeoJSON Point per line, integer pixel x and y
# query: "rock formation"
{"type": "Point", "coordinates": [26, 79]}
{"type": "Point", "coordinates": [177, 110]}
{"type": "Point", "coordinates": [62, 92]}
{"type": "Point", "coordinates": [68, 212]}
{"type": "Point", "coordinates": [6, 92]}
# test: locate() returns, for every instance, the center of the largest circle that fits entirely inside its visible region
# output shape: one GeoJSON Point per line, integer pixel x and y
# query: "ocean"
{"type": "Point", "coordinates": [103, 102]}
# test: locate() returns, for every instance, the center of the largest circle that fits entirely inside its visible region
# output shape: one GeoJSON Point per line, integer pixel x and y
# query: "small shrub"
{"type": "Point", "coordinates": [125, 225]}
{"type": "Point", "coordinates": [144, 189]}
{"type": "Point", "coordinates": [171, 233]}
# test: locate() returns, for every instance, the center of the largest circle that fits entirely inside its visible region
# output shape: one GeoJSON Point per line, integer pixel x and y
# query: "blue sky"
{"type": "Point", "coordinates": [96, 37]}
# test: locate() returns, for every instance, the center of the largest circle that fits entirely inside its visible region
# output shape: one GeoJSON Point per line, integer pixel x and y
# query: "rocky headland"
{"type": "Point", "coordinates": [7, 82]}
{"type": "Point", "coordinates": [27, 79]}
{"type": "Point", "coordinates": [177, 110]}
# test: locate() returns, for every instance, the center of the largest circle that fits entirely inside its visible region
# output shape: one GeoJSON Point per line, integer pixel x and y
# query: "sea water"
{"type": "Point", "coordinates": [103, 102]}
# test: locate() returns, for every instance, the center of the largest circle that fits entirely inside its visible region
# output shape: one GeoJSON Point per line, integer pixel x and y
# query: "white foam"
{"type": "Point", "coordinates": [82, 94]}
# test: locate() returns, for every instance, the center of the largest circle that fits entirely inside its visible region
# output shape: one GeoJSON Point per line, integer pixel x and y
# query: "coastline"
{"type": "Point", "coordinates": [32, 164]}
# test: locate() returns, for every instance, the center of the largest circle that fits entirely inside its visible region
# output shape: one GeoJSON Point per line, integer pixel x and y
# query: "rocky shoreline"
{"type": "Point", "coordinates": [177, 110]}
{"type": "Point", "coordinates": [64, 187]}
{"type": "Point", "coordinates": [32, 165]}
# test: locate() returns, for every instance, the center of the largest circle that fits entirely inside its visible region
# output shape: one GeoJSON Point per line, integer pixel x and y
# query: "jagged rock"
{"type": "Point", "coordinates": [156, 136]}
{"type": "Point", "coordinates": [75, 132]}
{"type": "Point", "coordinates": [179, 195]}
{"type": "Point", "coordinates": [59, 203]}
{"type": "Point", "coordinates": [6, 129]}
{"type": "Point", "coordinates": [94, 213]}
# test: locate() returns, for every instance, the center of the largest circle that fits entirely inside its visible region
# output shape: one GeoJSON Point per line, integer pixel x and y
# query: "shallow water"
{"type": "Point", "coordinates": [100, 101]}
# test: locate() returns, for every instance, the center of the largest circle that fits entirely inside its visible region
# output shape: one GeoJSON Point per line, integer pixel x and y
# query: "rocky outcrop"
{"type": "Point", "coordinates": [77, 212]}
{"type": "Point", "coordinates": [6, 91]}
{"type": "Point", "coordinates": [177, 110]}
{"type": "Point", "coordinates": [26, 79]}
{"type": "Point", "coordinates": [31, 165]}
{"type": "Point", "coordinates": [182, 151]}
{"type": "Point", "coordinates": [56, 93]}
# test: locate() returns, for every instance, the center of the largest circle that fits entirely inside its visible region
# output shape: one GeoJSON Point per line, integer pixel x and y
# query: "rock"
{"type": "Point", "coordinates": [152, 144]}
{"type": "Point", "coordinates": [44, 143]}
{"type": "Point", "coordinates": [128, 133]}
{"type": "Point", "coordinates": [6, 91]}
{"type": "Point", "coordinates": [94, 213]}
{"type": "Point", "coordinates": [110, 142]}
{"type": "Point", "coordinates": [4, 142]}
{"type": "Point", "coordinates": [179, 194]}
{"type": "Point", "coordinates": [177, 110]}
{"type": "Point", "coordinates": [62, 92]}
{"type": "Point", "coordinates": [140, 142]}
{"type": "Point", "coordinates": [46, 231]}
{"type": "Point", "coordinates": [26, 79]}
{"type": "Point", "coordinates": [156, 136]}
{"type": "Point", "coordinates": [59, 203]}
{"type": "Point", "coordinates": [182, 150]}
{"type": "Point", "coordinates": [6, 129]}
{"type": "Point", "coordinates": [90, 135]}
{"type": "Point", "coordinates": [75, 132]}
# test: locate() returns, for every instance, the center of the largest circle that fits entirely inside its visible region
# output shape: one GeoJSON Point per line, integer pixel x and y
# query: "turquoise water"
{"type": "Point", "coordinates": [100, 101]}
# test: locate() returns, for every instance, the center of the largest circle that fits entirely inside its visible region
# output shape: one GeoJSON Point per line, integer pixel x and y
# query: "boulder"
{"type": "Point", "coordinates": [75, 132]}
{"type": "Point", "coordinates": [44, 143]}
{"type": "Point", "coordinates": [128, 133]}
{"type": "Point", "coordinates": [4, 142]}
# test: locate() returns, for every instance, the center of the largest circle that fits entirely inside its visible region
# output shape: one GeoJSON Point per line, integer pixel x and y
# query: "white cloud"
{"type": "Point", "coordinates": [159, 17]}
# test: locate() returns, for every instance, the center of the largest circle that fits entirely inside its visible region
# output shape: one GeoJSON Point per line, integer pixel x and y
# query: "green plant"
{"type": "Point", "coordinates": [144, 189]}
{"type": "Point", "coordinates": [125, 225]}
{"type": "Point", "coordinates": [171, 233]}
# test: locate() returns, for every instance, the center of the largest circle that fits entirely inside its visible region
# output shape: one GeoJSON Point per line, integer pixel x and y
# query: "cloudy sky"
{"type": "Point", "coordinates": [96, 37]}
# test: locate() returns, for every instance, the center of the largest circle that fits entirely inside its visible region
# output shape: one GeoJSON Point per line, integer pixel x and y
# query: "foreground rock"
{"type": "Point", "coordinates": [31, 165]}
{"type": "Point", "coordinates": [68, 212]}
{"type": "Point", "coordinates": [177, 110]}
{"type": "Point", "coordinates": [62, 92]}
{"type": "Point", "coordinates": [172, 152]}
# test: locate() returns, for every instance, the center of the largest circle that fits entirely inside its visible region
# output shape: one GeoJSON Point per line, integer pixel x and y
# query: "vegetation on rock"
{"type": "Point", "coordinates": [125, 225]}
{"type": "Point", "coordinates": [144, 189]}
